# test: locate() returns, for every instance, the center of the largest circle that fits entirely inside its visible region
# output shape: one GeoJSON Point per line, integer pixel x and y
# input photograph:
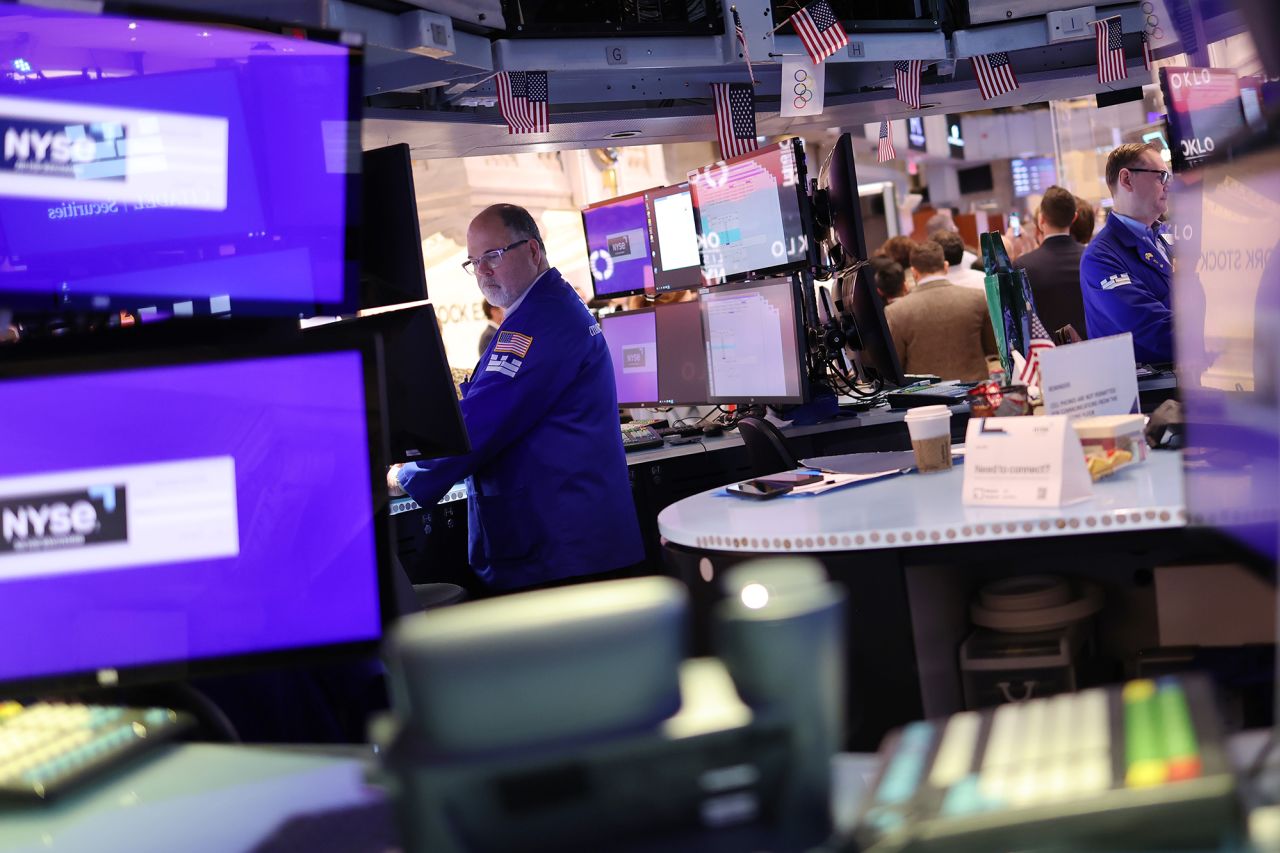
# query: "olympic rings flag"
{"type": "Point", "coordinates": [803, 87]}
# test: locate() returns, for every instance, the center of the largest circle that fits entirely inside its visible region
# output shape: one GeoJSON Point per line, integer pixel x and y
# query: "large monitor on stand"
{"type": "Point", "coordinates": [874, 351]}
{"type": "Point", "coordinates": [189, 512]}
{"type": "Point", "coordinates": [756, 345]}
{"type": "Point", "coordinates": [392, 269]}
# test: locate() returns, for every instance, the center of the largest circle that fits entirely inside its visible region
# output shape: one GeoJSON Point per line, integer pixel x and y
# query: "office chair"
{"type": "Point", "coordinates": [766, 446]}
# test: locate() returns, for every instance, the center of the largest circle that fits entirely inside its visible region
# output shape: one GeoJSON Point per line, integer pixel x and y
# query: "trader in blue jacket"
{"type": "Point", "coordinates": [549, 495]}
{"type": "Point", "coordinates": [1126, 272]}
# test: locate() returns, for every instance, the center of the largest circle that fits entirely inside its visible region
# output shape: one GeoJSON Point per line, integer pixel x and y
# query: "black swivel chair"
{"type": "Point", "coordinates": [766, 446]}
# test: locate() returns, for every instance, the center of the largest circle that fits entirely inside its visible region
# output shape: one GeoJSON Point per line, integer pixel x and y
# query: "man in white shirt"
{"type": "Point", "coordinates": [957, 271]}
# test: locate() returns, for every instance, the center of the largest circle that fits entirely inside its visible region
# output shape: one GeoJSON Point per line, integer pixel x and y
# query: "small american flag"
{"type": "Point", "coordinates": [1110, 38]}
{"type": "Point", "coordinates": [742, 40]}
{"type": "Point", "coordinates": [819, 30]}
{"type": "Point", "coordinates": [1146, 50]}
{"type": "Point", "coordinates": [522, 98]}
{"type": "Point", "coordinates": [735, 118]}
{"type": "Point", "coordinates": [885, 152]}
{"type": "Point", "coordinates": [995, 74]}
{"type": "Point", "coordinates": [513, 342]}
{"type": "Point", "coordinates": [1040, 341]}
{"type": "Point", "coordinates": [906, 80]}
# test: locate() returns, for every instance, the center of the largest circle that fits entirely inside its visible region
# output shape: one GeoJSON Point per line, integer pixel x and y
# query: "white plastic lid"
{"type": "Point", "coordinates": [927, 412]}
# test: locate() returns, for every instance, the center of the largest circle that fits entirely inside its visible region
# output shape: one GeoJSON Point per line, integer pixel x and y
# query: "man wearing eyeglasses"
{"type": "Point", "coordinates": [1126, 272]}
{"type": "Point", "coordinates": [549, 495]}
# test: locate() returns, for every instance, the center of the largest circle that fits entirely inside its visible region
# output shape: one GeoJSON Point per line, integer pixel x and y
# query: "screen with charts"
{"type": "Point", "coordinates": [181, 513]}
{"type": "Point", "coordinates": [751, 213]}
{"type": "Point", "coordinates": [617, 234]}
{"type": "Point", "coordinates": [753, 343]}
{"type": "Point", "coordinates": [633, 346]}
{"type": "Point", "coordinates": [150, 162]}
{"type": "Point", "coordinates": [676, 263]}
{"type": "Point", "coordinates": [682, 355]}
{"type": "Point", "coordinates": [1033, 175]}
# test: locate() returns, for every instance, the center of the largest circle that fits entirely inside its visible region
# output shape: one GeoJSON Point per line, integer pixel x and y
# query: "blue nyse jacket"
{"type": "Point", "coordinates": [549, 493]}
{"type": "Point", "coordinates": [1125, 280]}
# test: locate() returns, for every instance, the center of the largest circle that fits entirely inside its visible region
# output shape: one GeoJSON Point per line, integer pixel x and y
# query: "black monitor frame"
{"type": "Point", "coordinates": [204, 353]}
{"type": "Point", "coordinates": [800, 354]}
{"type": "Point", "coordinates": [686, 278]}
{"type": "Point", "coordinates": [392, 269]}
{"type": "Point", "coordinates": [604, 323]}
{"type": "Point", "coordinates": [806, 215]}
{"type": "Point", "coordinates": [423, 418]}
{"type": "Point", "coordinates": [860, 298]}
{"type": "Point", "coordinates": [53, 302]}
{"type": "Point", "coordinates": [665, 309]}
{"type": "Point", "coordinates": [638, 291]}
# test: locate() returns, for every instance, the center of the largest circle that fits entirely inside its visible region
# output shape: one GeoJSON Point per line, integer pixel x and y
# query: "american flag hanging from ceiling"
{"type": "Point", "coordinates": [906, 81]}
{"type": "Point", "coordinates": [1110, 42]}
{"type": "Point", "coordinates": [742, 40]}
{"type": "Point", "coordinates": [885, 153]}
{"type": "Point", "coordinates": [819, 30]}
{"type": "Point", "coordinates": [735, 118]}
{"type": "Point", "coordinates": [995, 74]}
{"type": "Point", "coordinates": [522, 99]}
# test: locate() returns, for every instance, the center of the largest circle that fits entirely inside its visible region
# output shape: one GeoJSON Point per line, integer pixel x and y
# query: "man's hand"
{"type": "Point", "coordinates": [393, 482]}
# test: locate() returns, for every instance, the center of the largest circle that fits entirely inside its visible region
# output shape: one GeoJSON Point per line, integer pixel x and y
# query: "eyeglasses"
{"type": "Point", "coordinates": [491, 257]}
{"type": "Point", "coordinates": [1164, 174]}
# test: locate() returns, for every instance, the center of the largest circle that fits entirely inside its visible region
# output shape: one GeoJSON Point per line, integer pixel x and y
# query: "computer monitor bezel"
{"type": "Point", "coordinates": [802, 196]}
{"type": "Point", "coordinates": [638, 291]}
{"type": "Point", "coordinates": [801, 349]}
{"type": "Point", "coordinates": [667, 307]}
{"type": "Point", "coordinates": [405, 255]}
{"type": "Point", "coordinates": [604, 324]}
{"type": "Point", "coordinates": [398, 321]}
{"type": "Point", "coordinates": [53, 301]}
{"type": "Point", "coordinates": [862, 301]}
{"type": "Point", "coordinates": [692, 275]}
{"type": "Point", "coordinates": [216, 352]}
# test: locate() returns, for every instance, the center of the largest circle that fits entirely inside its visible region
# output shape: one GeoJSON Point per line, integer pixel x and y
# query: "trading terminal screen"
{"type": "Point", "coordinates": [1032, 175]}
{"type": "Point", "coordinates": [618, 253]}
{"type": "Point", "coordinates": [676, 262]}
{"type": "Point", "coordinates": [682, 355]}
{"type": "Point", "coordinates": [753, 343]}
{"type": "Point", "coordinates": [183, 513]}
{"type": "Point", "coordinates": [633, 345]}
{"type": "Point", "coordinates": [750, 214]}
{"type": "Point", "coordinates": [167, 174]}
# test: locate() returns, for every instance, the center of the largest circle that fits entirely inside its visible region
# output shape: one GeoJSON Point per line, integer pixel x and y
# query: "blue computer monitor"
{"type": "Point", "coordinates": [618, 251]}
{"type": "Point", "coordinates": [752, 214]}
{"type": "Point", "coordinates": [152, 159]}
{"type": "Point", "coordinates": [169, 516]}
{"type": "Point", "coordinates": [1032, 175]}
{"type": "Point", "coordinates": [633, 346]}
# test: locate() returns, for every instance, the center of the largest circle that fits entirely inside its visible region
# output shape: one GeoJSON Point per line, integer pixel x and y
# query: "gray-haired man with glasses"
{"type": "Point", "coordinates": [1126, 272]}
{"type": "Point", "coordinates": [549, 494]}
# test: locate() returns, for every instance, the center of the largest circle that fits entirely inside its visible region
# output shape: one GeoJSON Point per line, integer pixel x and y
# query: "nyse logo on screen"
{"type": "Point", "coordinates": [633, 357]}
{"type": "Point", "coordinates": [58, 149]}
{"type": "Point", "coordinates": [63, 520]}
{"type": "Point", "coordinates": [620, 245]}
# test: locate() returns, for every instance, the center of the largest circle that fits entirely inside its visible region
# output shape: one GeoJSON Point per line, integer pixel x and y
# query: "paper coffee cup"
{"type": "Point", "coordinates": [930, 429]}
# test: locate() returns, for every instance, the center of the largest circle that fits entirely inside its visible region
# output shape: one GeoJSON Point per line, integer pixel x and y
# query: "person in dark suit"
{"type": "Point", "coordinates": [1054, 268]}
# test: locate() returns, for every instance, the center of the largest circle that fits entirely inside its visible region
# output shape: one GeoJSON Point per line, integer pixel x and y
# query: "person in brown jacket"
{"type": "Point", "coordinates": [938, 327]}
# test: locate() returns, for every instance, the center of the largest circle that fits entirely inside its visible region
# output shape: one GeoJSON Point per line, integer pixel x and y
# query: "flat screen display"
{"type": "Point", "coordinates": [751, 214]}
{"type": "Point", "coordinates": [682, 355]}
{"type": "Point", "coordinates": [391, 266]}
{"type": "Point", "coordinates": [1033, 175]}
{"type": "Point", "coordinates": [150, 161]}
{"type": "Point", "coordinates": [184, 513]}
{"type": "Point", "coordinates": [676, 262]}
{"type": "Point", "coordinates": [753, 343]}
{"type": "Point", "coordinates": [618, 252]}
{"type": "Point", "coordinates": [1205, 111]}
{"type": "Point", "coordinates": [633, 345]}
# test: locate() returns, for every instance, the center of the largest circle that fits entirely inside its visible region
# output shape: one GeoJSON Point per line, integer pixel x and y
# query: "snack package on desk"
{"type": "Point", "coordinates": [1111, 442]}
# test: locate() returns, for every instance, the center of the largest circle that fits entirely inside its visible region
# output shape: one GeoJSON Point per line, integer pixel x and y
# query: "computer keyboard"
{"type": "Point", "coordinates": [1119, 768]}
{"type": "Point", "coordinates": [46, 748]}
{"type": "Point", "coordinates": [640, 437]}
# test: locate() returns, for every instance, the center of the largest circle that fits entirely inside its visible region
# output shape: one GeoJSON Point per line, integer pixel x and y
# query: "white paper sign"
{"type": "Point", "coordinates": [1028, 461]}
{"type": "Point", "coordinates": [803, 87]}
{"type": "Point", "coordinates": [1095, 377]}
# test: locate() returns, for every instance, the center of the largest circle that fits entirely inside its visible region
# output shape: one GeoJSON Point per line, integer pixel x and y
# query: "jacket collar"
{"type": "Point", "coordinates": [1121, 233]}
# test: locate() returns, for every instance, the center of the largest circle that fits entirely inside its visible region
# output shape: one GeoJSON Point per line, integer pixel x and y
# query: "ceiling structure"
{"type": "Point", "coordinates": [430, 68]}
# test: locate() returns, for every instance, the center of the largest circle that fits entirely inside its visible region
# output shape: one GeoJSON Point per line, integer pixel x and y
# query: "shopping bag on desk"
{"type": "Point", "coordinates": [1009, 301]}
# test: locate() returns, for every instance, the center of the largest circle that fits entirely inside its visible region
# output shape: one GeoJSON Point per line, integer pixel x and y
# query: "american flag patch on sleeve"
{"type": "Point", "coordinates": [513, 342]}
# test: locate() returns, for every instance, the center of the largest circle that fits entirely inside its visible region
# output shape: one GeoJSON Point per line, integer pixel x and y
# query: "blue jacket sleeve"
{"type": "Point", "coordinates": [498, 409]}
{"type": "Point", "coordinates": [1132, 306]}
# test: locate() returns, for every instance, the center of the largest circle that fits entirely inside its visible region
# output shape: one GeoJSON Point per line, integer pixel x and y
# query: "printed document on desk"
{"type": "Point", "coordinates": [831, 482]}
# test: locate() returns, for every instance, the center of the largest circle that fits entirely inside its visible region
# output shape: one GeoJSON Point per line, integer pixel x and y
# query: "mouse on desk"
{"type": "Point", "coordinates": [712, 429]}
